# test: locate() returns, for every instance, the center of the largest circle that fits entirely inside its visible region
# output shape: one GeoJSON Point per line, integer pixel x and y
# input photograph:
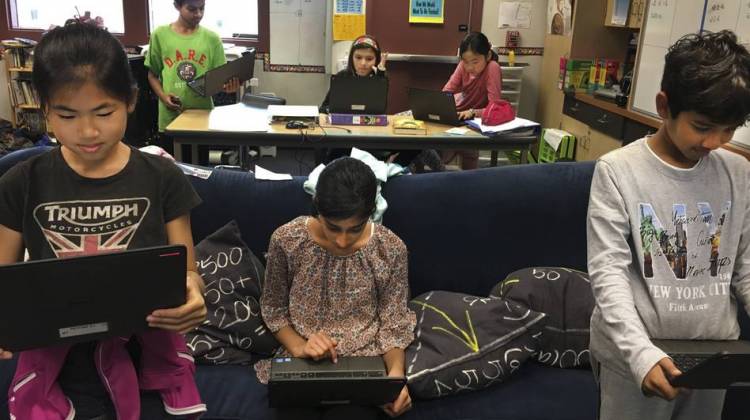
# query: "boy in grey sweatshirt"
{"type": "Point", "coordinates": [669, 235]}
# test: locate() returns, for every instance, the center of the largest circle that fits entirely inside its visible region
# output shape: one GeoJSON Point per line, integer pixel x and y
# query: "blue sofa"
{"type": "Point", "coordinates": [465, 231]}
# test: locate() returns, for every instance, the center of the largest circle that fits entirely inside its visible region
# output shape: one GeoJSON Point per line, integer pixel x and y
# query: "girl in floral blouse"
{"type": "Point", "coordinates": [337, 284]}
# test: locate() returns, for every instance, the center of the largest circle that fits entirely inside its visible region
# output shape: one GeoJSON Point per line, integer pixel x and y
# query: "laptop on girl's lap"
{"type": "Point", "coordinates": [361, 381]}
{"type": "Point", "coordinates": [64, 301]}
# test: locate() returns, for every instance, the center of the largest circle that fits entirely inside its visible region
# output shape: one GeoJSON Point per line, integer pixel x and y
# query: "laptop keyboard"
{"type": "Point", "coordinates": [685, 362]}
{"type": "Point", "coordinates": [327, 375]}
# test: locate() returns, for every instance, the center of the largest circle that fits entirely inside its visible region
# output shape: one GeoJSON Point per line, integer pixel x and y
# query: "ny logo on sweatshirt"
{"type": "Point", "coordinates": [674, 245]}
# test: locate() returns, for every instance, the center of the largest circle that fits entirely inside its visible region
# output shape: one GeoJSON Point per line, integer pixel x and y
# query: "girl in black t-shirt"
{"type": "Point", "coordinates": [86, 90]}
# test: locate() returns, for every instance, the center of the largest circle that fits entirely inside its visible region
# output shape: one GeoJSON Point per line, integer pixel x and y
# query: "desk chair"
{"type": "Point", "coordinates": [256, 101]}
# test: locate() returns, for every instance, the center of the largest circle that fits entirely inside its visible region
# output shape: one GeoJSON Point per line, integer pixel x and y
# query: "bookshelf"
{"type": "Point", "coordinates": [24, 101]}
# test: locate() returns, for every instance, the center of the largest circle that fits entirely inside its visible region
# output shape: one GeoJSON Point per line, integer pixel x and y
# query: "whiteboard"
{"type": "Point", "coordinates": [742, 136]}
{"type": "Point", "coordinates": [663, 25]}
{"type": "Point", "coordinates": [298, 32]}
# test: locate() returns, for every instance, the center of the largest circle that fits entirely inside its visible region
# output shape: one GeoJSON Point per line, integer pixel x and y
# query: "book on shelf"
{"type": "Point", "coordinates": [20, 58]}
{"type": "Point", "coordinates": [408, 125]}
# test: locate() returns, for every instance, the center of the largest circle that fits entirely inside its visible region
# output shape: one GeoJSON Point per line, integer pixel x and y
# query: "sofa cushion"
{"type": "Point", "coordinates": [565, 296]}
{"type": "Point", "coordinates": [466, 343]}
{"type": "Point", "coordinates": [234, 331]}
{"type": "Point", "coordinates": [467, 230]}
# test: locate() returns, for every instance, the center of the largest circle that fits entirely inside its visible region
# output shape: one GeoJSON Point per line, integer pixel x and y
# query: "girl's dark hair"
{"type": "Point", "coordinates": [346, 188]}
{"type": "Point", "coordinates": [362, 42]}
{"type": "Point", "coordinates": [74, 54]}
{"type": "Point", "coordinates": [475, 42]}
{"type": "Point", "coordinates": [708, 74]}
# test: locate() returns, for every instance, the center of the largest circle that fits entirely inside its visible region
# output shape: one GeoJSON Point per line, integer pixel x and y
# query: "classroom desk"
{"type": "Point", "coordinates": [191, 128]}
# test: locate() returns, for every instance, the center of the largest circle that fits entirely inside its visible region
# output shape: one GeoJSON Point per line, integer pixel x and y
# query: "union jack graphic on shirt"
{"type": "Point", "coordinates": [76, 228]}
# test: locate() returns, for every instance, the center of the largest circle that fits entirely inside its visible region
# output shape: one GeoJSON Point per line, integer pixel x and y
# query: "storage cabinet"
{"type": "Point", "coordinates": [590, 143]}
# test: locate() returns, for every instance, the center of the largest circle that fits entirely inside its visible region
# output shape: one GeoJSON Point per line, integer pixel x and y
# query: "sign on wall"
{"type": "Point", "coordinates": [426, 11]}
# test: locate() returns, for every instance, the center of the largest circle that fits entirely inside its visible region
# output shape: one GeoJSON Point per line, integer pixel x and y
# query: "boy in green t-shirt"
{"type": "Point", "coordinates": [179, 53]}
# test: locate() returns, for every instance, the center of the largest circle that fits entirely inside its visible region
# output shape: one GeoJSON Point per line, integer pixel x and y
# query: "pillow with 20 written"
{"type": "Point", "coordinates": [234, 332]}
{"type": "Point", "coordinates": [466, 343]}
{"type": "Point", "coordinates": [565, 296]}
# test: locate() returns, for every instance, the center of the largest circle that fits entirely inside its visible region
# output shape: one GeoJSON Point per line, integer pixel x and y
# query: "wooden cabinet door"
{"type": "Point", "coordinates": [600, 144]}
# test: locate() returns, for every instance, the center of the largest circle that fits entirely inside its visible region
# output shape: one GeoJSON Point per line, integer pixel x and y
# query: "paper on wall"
{"type": "Point", "coordinates": [348, 27]}
{"type": "Point", "coordinates": [514, 14]}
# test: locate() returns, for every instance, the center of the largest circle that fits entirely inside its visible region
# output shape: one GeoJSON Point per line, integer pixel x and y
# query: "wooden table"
{"type": "Point", "coordinates": [192, 128]}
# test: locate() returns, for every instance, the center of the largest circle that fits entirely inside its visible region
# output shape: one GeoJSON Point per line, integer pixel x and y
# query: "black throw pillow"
{"type": "Point", "coordinates": [565, 296]}
{"type": "Point", "coordinates": [465, 343]}
{"type": "Point", "coordinates": [234, 332]}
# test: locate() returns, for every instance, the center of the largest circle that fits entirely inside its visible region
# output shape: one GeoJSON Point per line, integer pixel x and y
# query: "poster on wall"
{"type": "Point", "coordinates": [426, 11]}
{"type": "Point", "coordinates": [348, 20]}
{"type": "Point", "coordinates": [350, 7]}
{"type": "Point", "coordinates": [559, 15]}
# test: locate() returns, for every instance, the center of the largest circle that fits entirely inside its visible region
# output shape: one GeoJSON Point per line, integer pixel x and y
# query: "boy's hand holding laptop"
{"type": "Point", "coordinates": [232, 85]}
{"type": "Point", "coordinates": [658, 381]}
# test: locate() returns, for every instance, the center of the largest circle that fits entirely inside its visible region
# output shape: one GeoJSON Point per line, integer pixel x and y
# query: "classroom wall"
{"type": "Point", "coordinates": [530, 38]}
{"type": "Point", "coordinates": [297, 88]}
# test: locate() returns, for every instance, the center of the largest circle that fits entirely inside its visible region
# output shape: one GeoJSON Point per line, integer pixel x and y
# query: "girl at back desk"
{"type": "Point", "coordinates": [366, 60]}
{"type": "Point", "coordinates": [475, 83]}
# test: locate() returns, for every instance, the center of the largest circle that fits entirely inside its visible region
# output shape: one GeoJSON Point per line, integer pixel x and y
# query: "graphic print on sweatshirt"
{"type": "Point", "coordinates": [85, 227]}
{"type": "Point", "coordinates": [682, 253]}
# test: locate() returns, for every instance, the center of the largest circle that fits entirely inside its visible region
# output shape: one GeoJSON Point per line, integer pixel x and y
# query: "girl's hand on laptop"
{"type": "Point", "coordinates": [466, 115]}
{"type": "Point", "coordinates": [657, 380]}
{"type": "Point", "coordinates": [186, 317]}
{"type": "Point", "coordinates": [5, 355]}
{"type": "Point", "coordinates": [232, 85]}
{"type": "Point", "coordinates": [319, 346]}
{"type": "Point", "coordinates": [401, 405]}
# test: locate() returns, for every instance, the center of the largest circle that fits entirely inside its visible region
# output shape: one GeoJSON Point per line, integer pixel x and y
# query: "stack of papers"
{"type": "Point", "coordinates": [519, 126]}
{"type": "Point", "coordinates": [238, 117]}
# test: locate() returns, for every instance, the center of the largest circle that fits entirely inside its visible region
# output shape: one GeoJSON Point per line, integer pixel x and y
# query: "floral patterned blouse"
{"type": "Point", "coordinates": [359, 300]}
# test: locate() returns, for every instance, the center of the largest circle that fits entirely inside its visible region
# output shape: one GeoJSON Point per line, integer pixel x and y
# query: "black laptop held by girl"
{"type": "Point", "coordinates": [64, 301]}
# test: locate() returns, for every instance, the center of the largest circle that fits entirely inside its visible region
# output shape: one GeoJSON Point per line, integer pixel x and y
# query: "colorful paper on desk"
{"type": "Point", "coordinates": [517, 125]}
{"type": "Point", "coordinates": [262, 173]}
{"type": "Point", "coordinates": [238, 117]}
{"type": "Point", "coordinates": [348, 27]}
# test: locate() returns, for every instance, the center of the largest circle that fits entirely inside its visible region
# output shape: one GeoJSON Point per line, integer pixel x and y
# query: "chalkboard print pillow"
{"type": "Point", "coordinates": [565, 296]}
{"type": "Point", "coordinates": [234, 332]}
{"type": "Point", "coordinates": [467, 343]}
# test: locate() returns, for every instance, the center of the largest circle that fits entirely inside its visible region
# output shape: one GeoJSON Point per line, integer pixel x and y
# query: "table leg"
{"type": "Point", "coordinates": [493, 158]}
{"type": "Point", "coordinates": [194, 154]}
{"type": "Point", "coordinates": [524, 155]}
{"type": "Point", "coordinates": [177, 145]}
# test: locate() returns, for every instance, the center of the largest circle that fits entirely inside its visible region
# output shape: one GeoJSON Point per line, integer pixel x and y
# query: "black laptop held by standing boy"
{"type": "Point", "coordinates": [362, 95]}
{"type": "Point", "coordinates": [708, 364]}
{"type": "Point", "coordinates": [434, 106]}
{"type": "Point", "coordinates": [212, 82]}
{"type": "Point", "coordinates": [65, 301]}
{"type": "Point", "coordinates": [352, 380]}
